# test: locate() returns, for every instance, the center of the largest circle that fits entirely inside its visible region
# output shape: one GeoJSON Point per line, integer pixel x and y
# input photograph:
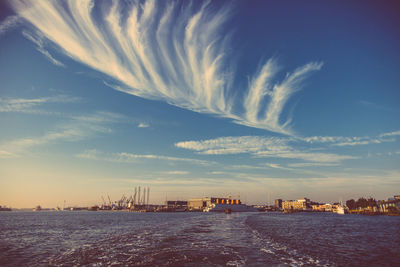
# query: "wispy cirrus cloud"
{"type": "Point", "coordinates": [143, 125]}
{"type": "Point", "coordinates": [374, 105]}
{"type": "Point", "coordinates": [52, 136]}
{"type": "Point", "coordinates": [5, 154]}
{"type": "Point", "coordinates": [260, 147]}
{"type": "Point", "coordinates": [177, 172]}
{"type": "Point", "coordinates": [28, 105]}
{"type": "Point", "coordinates": [124, 157]}
{"type": "Point", "coordinates": [236, 145]}
{"type": "Point", "coordinates": [38, 39]}
{"type": "Point", "coordinates": [286, 147]}
{"type": "Point", "coordinates": [352, 141]}
{"type": "Point", "coordinates": [38, 106]}
{"type": "Point", "coordinates": [394, 133]}
{"type": "Point", "coordinates": [312, 164]}
{"type": "Point", "coordinates": [8, 23]}
{"type": "Point", "coordinates": [74, 129]}
{"type": "Point", "coordinates": [306, 155]}
{"type": "Point", "coordinates": [173, 51]}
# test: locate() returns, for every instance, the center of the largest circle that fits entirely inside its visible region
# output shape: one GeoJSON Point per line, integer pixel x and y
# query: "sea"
{"type": "Point", "coordinates": [101, 238]}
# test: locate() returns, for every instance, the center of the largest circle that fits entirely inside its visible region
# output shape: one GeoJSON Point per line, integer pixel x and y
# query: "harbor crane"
{"type": "Point", "coordinates": [134, 196]}
{"type": "Point", "coordinates": [109, 200]}
{"type": "Point", "coordinates": [148, 195]}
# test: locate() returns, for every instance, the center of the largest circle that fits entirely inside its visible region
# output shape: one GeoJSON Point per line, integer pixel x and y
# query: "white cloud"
{"type": "Point", "coordinates": [277, 166]}
{"type": "Point", "coordinates": [395, 133]}
{"type": "Point", "coordinates": [124, 157]}
{"type": "Point", "coordinates": [175, 52]}
{"type": "Point", "coordinates": [358, 143]}
{"type": "Point", "coordinates": [9, 23]}
{"type": "Point", "coordinates": [286, 147]}
{"type": "Point", "coordinates": [61, 135]}
{"type": "Point", "coordinates": [351, 141]}
{"type": "Point", "coordinates": [261, 86]}
{"type": "Point", "coordinates": [100, 117]}
{"type": "Point", "coordinates": [75, 129]}
{"type": "Point", "coordinates": [143, 125]}
{"type": "Point", "coordinates": [325, 139]}
{"type": "Point", "coordinates": [39, 41]}
{"type": "Point", "coordinates": [259, 147]}
{"type": "Point", "coordinates": [5, 154]}
{"type": "Point", "coordinates": [219, 173]}
{"type": "Point", "coordinates": [235, 145]}
{"type": "Point", "coordinates": [312, 164]}
{"type": "Point", "coordinates": [177, 172]}
{"type": "Point", "coordinates": [307, 156]}
{"type": "Point", "coordinates": [27, 105]}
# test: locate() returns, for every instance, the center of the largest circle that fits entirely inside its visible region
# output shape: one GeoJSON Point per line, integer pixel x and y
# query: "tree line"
{"type": "Point", "coordinates": [361, 203]}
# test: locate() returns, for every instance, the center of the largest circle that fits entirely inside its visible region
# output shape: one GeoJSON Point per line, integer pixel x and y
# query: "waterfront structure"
{"type": "Point", "coordinates": [302, 204]}
{"type": "Point", "coordinates": [208, 204]}
{"type": "Point", "coordinates": [202, 203]}
{"type": "Point", "coordinates": [176, 205]}
{"type": "Point", "coordinates": [4, 208]}
{"type": "Point", "coordinates": [389, 205]}
{"type": "Point", "coordinates": [198, 204]}
{"type": "Point", "coordinates": [321, 207]}
{"type": "Point", "coordinates": [278, 203]}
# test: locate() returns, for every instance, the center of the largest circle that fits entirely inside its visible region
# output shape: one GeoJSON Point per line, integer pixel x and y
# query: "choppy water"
{"type": "Point", "coordinates": [197, 239]}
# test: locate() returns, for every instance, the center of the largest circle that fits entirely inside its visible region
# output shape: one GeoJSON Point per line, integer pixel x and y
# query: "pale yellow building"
{"type": "Point", "coordinates": [300, 204]}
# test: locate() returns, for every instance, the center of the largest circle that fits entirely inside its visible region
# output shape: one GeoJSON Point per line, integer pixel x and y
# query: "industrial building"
{"type": "Point", "coordinates": [176, 204]}
{"type": "Point", "coordinates": [200, 204]}
{"type": "Point", "coordinates": [302, 204]}
{"type": "Point", "coordinates": [278, 203]}
{"type": "Point", "coordinates": [391, 204]}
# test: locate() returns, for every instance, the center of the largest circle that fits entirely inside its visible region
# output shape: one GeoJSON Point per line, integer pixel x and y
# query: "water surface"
{"type": "Point", "coordinates": [197, 239]}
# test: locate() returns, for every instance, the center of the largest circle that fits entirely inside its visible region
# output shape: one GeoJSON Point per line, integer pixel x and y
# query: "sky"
{"type": "Point", "coordinates": [257, 99]}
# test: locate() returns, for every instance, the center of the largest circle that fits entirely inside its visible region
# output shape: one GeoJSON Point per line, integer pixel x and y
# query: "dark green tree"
{"type": "Point", "coordinates": [351, 204]}
{"type": "Point", "coordinates": [362, 203]}
{"type": "Point", "coordinates": [371, 202]}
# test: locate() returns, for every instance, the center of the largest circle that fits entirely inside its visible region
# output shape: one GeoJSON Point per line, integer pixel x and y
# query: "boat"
{"type": "Point", "coordinates": [340, 208]}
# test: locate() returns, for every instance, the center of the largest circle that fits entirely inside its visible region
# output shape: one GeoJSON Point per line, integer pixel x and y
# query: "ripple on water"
{"type": "Point", "coordinates": [258, 239]}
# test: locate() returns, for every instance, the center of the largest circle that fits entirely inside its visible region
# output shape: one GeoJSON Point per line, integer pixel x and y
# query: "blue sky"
{"type": "Point", "coordinates": [259, 99]}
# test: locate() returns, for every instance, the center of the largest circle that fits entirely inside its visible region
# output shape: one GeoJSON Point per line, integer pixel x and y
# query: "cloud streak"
{"type": "Point", "coordinates": [286, 147]}
{"type": "Point", "coordinates": [9, 23]}
{"type": "Point", "coordinates": [352, 141]}
{"type": "Point", "coordinates": [143, 125]}
{"type": "Point", "coordinates": [38, 39]}
{"type": "Point", "coordinates": [260, 147]}
{"type": "Point", "coordinates": [173, 51]}
{"type": "Point", "coordinates": [27, 105]}
{"type": "Point", "coordinates": [5, 154]}
{"type": "Point", "coordinates": [124, 157]}
{"type": "Point", "coordinates": [75, 129]}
